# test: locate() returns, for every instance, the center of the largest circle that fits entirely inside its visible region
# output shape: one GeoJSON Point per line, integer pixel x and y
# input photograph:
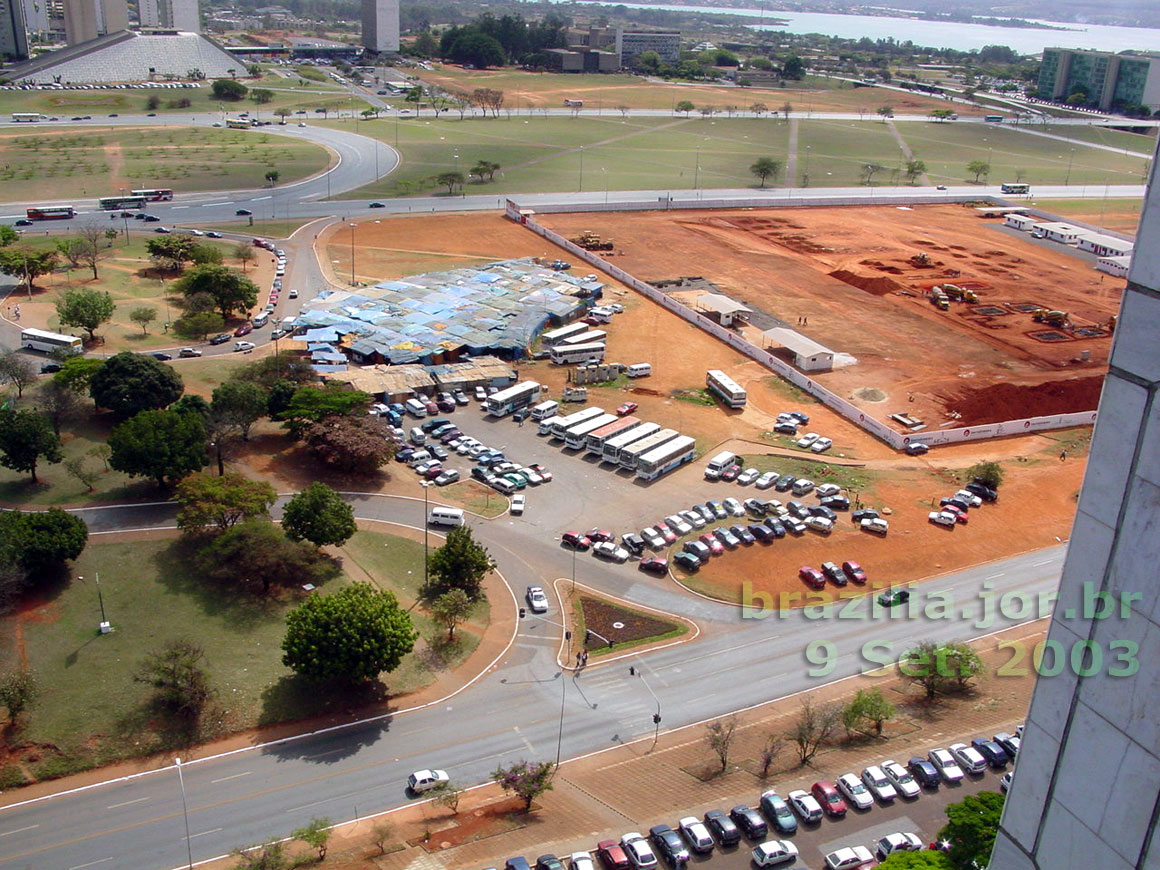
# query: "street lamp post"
{"type": "Point", "coordinates": [426, 485]}
{"type": "Point", "coordinates": [1070, 157]}
{"type": "Point", "coordinates": [657, 715]}
{"type": "Point", "coordinates": [185, 812]}
{"type": "Point", "coordinates": [563, 697]}
{"type": "Point", "coordinates": [573, 569]}
{"type": "Point", "coordinates": [581, 169]}
{"type": "Point", "coordinates": [605, 171]}
{"type": "Point", "coordinates": [352, 253]}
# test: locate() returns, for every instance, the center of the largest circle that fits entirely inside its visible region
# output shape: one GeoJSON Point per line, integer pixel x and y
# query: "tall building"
{"type": "Point", "coordinates": [88, 19]}
{"type": "Point", "coordinates": [1109, 80]}
{"type": "Point", "coordinates": [1086, 792]}
{"type": "Point", "coordinates": [182, 15]}
{"type": "Point", "coordinates": [380, 25]}
{"type": "Point", "coordinates": [13, 32]}
{"type": "Point", "coordinates": [630, 44]}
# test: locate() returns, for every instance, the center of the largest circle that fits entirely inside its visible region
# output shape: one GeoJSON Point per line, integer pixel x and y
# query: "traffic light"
{"type": "Point", "coordinates": [587, 636]}
{"type": "Point", "coordinates": [523, 612]}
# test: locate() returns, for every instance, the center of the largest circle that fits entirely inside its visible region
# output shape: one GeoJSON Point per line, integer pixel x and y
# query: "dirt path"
{"type": "Point", "coordinates": [791, 153]}
{"type": "Point", "coordinates": [922, 176]}
{"type": "Point", "coordinates": [115, 158]}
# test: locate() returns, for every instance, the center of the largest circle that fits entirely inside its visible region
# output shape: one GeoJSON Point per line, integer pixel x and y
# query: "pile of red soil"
{"type": "Point", "coordinates": [1000, 402]}
{"type": "Point", "coordinates": [878, 285]}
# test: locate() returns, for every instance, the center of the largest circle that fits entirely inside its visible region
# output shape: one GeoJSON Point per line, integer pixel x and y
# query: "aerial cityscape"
{"type": "Point", "coordinates": [560, 436]}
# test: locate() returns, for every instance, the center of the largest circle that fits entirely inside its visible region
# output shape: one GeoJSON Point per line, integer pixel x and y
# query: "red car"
{"type": "Point", "coordinates": [665, 532]}
{"type": "Point", "coordinates": [433, 472]}
{"type": "Point", "coordinates": [612, 855]}
{"type": "Point", "coordinates": [960, 515]}
{"type": "Point", "coordinates": [655, 564]}
{"type": "Point", "coordinates": [832, 803]}
{"type": "Point", "coordinates": [731, 472]}
{"type": "Point", "coordinates": [854, 572]}
{"type": "Point", "coordinates": [712, 543]}
{"type": "Point", "coordinates": [813, 577]}
{"type": "Point", "coordinates": [576, 540]}
{"type": "Point", "coordinates": [600, 535]}
{"type": "Point", "coordinates": [626, 409]}
{"type": "Point", "coordinates": [244, 329]}
{"type": "Point", "coordinates": [540, 470]}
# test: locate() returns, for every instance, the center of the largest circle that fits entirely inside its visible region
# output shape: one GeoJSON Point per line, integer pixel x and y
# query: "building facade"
{"type": "Point", "coordinates": [1109, 80]}
{"type": "Point", "coordinates": [181, 15]}
{"type": "Point", "coordinates": [380, 25]}
{"type": "Point", "coordinates": [1086, 792]}
{"type": "Point", "coordinates": [631, 44]}
{"type": "Point", "coordinates": [13, 32]}
{"type": "Point", "coordinates": [88, 19]}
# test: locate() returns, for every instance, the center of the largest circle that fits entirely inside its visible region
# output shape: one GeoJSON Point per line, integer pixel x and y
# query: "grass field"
{"type": "Point", "coordinates": [833, 152]}
{"type": "Point", "coordinates": [1135, 142]}
{"type": "Point", "coordinates": [53, 164]}
{"type": "Point", "coordinates": [1122, 215]}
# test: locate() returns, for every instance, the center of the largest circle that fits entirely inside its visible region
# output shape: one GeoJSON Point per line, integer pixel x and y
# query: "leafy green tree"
{"type": "Point", "coordinates": [199, 324]}
{"type": "Point", "coordinates": [26, 439]}
{"type": "Point", "coordinates": [219, 503]}
{"type": "Point", "coordinates": [311, 404]}
{"type": "Point", "coordinates": [316, 835]}
{"type": "Point", "coordinates": [27, 264]}
{"type": "Point", "coordinates": [971, 828]}
{"type": "Point", "coordinates": [8, 236]}
{"type": "Point", "coordinates": [352, 445]}
{"type": "Point", "coordinates": [18, 370]}
{"type": "Point", "coordinates": [990, 474]}
{"type": "Point", "coordinates": [524, 779]}
{"type": "Point", "coordinates": [230, 290]}
{"type": "Point", "coordinates": [85, 309]}
{"type": "Point", "coordinates": [685, 106]}
{"type": "Point", "coordinates": [479, 50]}
{"type": "Point", "coordinates": [451, 180]}
{"type": "Point", "coordinates": [77, 372]}
{"type": "Point", "coordinates": [244, 253]}
{"type": "Point", "coordinates": [261, 96]}
{"type": "Point", "coordinates": [269, 370]}
{"type": "Point", "coordinates": [131, 382]}
{"type": "Point", "coordinates": [171, 252]}
{"type": "Point", "coordinates": [765, 168]}
{"type": "Point", "coordinates": [163, 445]}
{"type": "Point", "coordinates": [241, 404]}
{"type": "Point", "coordinates": [318, 514]}
{"type": "Point", "coordinates": [258, 551]}
{"type": "Point", "coordinates": [177, 673]}
{"type": "Point", "coordinates": [885, 113]}
{"type": "Point", "coordinates": [786, 108]}
{"type": "Point", "coordinates": [450, 609]}
{"type": "Point", "coordinates": [352, 636]}
{"type": "Point", "coordinates": [272, 176]}
{"type": "Point", "coordinates": [940, 669]}
{"type": "Point", "coordinates": [271, 856]}
{"type": "Point", "coordinates": [35, 540]}
{"type": "Point", "coordinates": [228, 89]}
{"type": "Point", "coordinates": [461, 563]}
{"type": "Point", "coordinates": [143, 315]}
{"type": "Point", "coordinates": [485, 167]}
{"type": "Point", "coordinates": [926, 859]}
{"type": "Point", "coordinates": [18, 689]}
{"type": "Point", "coordinates": [59, 404]}
{"type": "Point", "coordinates": [914, 168]}
{"type": "Point", "coordinates": [868, 708]}
{"type": "Point", "coordinates": [978, 168]}
{"type": "Point", "coordinates": [793, 68]}
{"type": "Point", "coordinates": [869, 170]}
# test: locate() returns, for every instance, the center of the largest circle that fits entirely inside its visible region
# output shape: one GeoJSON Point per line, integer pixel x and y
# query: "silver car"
{"type": "Point", "coordinates": [901, 779]}
{"type": "Point", "coordinates": [854, 791]}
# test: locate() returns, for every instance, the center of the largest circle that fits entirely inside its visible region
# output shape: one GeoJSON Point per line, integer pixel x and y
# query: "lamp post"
{"type": "Point", "coordinates": [657, 715]}
{"type": "Point", "coordinates": [697, 170]}
{"type": "Point", "coordinates": [1070, 157]}
{"type": "Point", "coordinates": [605, 171]}
{"type": "Point", "coordinates": [573, 569]}
{"type": "Point", "coordinates": [352, 253]}
{"type": "Point", "coordinates": [581, 169]}
{"type": "Point", "coordinates": [185, 812]}
{"type": "Point", "coordinates": [426, 485]}
{"type": "Point", "coordinates": [563, 696]}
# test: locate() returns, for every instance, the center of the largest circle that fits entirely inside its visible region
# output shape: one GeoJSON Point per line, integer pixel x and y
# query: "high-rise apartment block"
{"type": "Point", "coordinates": [88, 19]}
{"type": "Point", "coordinates": [182, 15]}
{"type": "Point", "coordinates": [1108, 80]}
{"type": "Point", "coordinates": [13, 33]}
{"type": "Point", "coordinates": [380, 23]}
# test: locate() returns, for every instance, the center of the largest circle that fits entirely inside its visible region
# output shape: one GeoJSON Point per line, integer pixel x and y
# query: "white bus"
{"type": "Point", "coordinates": [594, 444]}
{"type": "Point", "coordinates": [557, 426]}
{"type": "Point", "coordinates": [665, 458]}
{"type": "Point", "coordinates": [27, 116]}
{"type": "Point", "coordinates": [636, 433]}
{"type": "Point", "coordinates": [630, 453]}
{"type": "Point", "coordinates": [505, 402]}
{"type": "Point", "coordinates": [725, 387]}
{"type": "Point", "coordinates": [578, 434]}
{"type": "Point", "coordinates": [49, 342]}
{"type": "Point", "coordinates": [558, 335]}
{"type": "Point", "coordinates": [577, 353]}
{"type": "Point", "coordinates": [593, 336]}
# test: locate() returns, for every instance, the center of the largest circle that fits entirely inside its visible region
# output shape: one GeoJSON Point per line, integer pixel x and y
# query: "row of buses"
{"type": "Point", "coordinates": [134, 199]}
{"type": "Point", "coordinates": [629, 442]}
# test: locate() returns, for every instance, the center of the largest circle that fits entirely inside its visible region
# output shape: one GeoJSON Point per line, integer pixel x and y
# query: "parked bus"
{"type": "Point", "coordinates": [595, 441]}
{"type": "Point", "coordinates": [163, 194]}
{"type": "Point", "coordinates": [1014, 188]}
{"type": "Point", "coordinates": [577, 353]}
{"type": "Point", "coordinates": [578, 434]}
{"type": "Point", "coordinates": [665, 458]}
{"type": "Point", "coordinates": [724, 386]}
{"type": "Point", "coordinates": [512, 399]}
{"type": "Point", "coordinates": [51, 213]}
{"type": "Point", "coordinates": [558, 335]}
{"type": "Point", "coordinates": [544, 410]}
{"type": "Point", "coordinates": [636, 433]}
{"type": "Point", "coordinates": [993, 119]}
{"type": "Point", "coordinates": [630, 454]}
{"type": "Point", "coordinates": [592, 336]}
{"type": "Point", "coordinates": [557, 426]}
{"type": "Point", "coordinates": [49, 342]}
{"type": "Point", "coordinates": [27, 116]}
{"type": "Point", "coordinates": [112, 203]}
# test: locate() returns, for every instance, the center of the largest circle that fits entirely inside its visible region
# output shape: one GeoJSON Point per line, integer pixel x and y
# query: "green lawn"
{"type": "Point", "coordinates": [1141, 144]}
{"type": "Point", "coordinates": [834, 152]}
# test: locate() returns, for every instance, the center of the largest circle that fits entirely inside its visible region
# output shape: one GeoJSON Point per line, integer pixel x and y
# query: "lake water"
{"type": "Point", "coordinates": [963, 37]}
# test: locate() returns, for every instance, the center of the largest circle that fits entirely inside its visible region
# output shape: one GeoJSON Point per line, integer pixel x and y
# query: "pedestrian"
{"type": "Point", "coordinates": [584, 658]}
{"type": "Point", "coordinates": [1063, 454]}
{"type": "Point", "coordinates": [579, 658]}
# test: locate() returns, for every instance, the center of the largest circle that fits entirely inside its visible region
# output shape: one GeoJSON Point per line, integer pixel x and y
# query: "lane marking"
{"type": "Point", "coordinates": [204, 833]}
{"type": "Point", "coordinates": [19, 830]}
{"type": "Point", "coordinates": [228, 778]}
{"type": "Point", "coordinates": [126, 803]}
{"type": "Point", "coordinates": [90, 864]}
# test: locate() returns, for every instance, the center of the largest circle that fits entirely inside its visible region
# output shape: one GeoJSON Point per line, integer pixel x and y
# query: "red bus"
{"type": "Point", "coordinates": [161, 195]}
{"type": "Point", "coordinates": [51, 213]}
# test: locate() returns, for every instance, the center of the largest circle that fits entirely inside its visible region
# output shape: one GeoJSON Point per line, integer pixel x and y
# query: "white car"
{"type": "Point", "coordinates": [825, 490]}
{"type": "Point", "coordinates": [244, 346]}
{"type": "Point", "coordinates": [901, 779]}
{"type": "Point", "coordinates": [536, 599]}
{"type": "Point", "coordinates": [899, 842]}
{"type": "Point", "coordinates": [946, 765]}
{"type": "Point", "coordinates": [517, 504]}
{"type": "Point", "coordinates": [821, 445]}
{"type": "Point", "coordinates": [969, 758]}
{"type": "Point", "coordinates": [425, 780]}
{"type": "Point", "coordinates": [854, 792]}
{"type": "Point", "coordinates": [766, 480]}
{"type": "Point", "coordinates": [849, 858]}
{"type": "Point", "coordinates": [1005, 781]}
{"type": "Point", "coordinates": [693, 518]}
{"type": "Point", "coordinates": [639, 852]}
{"type": "Point", "coordinates": [293, 294]}
{"type": "Point", "coordinates": [581, 861]}
{"type": "Point", "coordinates": [735, 508]}
{"type": "Point", "coordinates": [189, 352]}
{"type": "Point", "coordinates": [822, 525]}
{"type": "Point", "coordinates": [942, 518]}
{"type": "Point", "coordinates": [678, 525]}
{"type": "Point", "coordinates": [610, 551]}
{"type": "Point", "coordinates": [748, 476]}
{"type": "Point", "coordinates": [805, 805]}
{"type": "Point", "coordinates": [876, 526]}
{"type": "Point", "coordinates": [531, 476]}
{"type": "Point", "coordinates": [773, 852]}
{"type": "Point", "coordinates": [969, 497]}
{"type": "Point", "coordinates": [480, 394]}
{"type": "Point", "coordinates": [696, 834]}
{"type": "Point", "coordinates": [878, 784]}
{"type": "Point", "coordinates": [196, 232]}
{"type": "Point", "coordinates": [651, 538]}
{"type": "Point", "coordinates": [808, 439]}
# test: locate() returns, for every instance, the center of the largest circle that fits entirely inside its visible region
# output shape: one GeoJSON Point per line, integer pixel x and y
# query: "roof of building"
{"type": "Point", "coordinates": [1124, 260]}
{"type": "Point", "coordinates": [721, 303]}
{"type": "Point", "coordinates": [1059, 227]}
{"type": "Point", "coordinates": [126, 56]}
{"type": "Point", "coordinates": [796, 342]}
{"type": "Point", "coordinates": [398, 379]}
{"type": "Point", "coordinates": [1109, 242]}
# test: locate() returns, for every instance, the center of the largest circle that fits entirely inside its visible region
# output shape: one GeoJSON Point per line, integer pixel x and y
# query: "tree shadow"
{"type": "Point", "coordinates": [295, 698]}
{"type": "Point", "coordinates": [151, 727]}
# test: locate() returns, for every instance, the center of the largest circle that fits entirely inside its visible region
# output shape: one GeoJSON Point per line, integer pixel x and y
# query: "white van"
{"type": "Point", "coordinates": [639, 370]}
{"type": "Point", "coordinates": [418, 436]}
{"type": "Point", "coordinates": [418, 458]}
{"type": "Point", "coordinates": [261, 320]}
{"type": "Point", "coordinates": [718, 464]}
{"type": "Point", "coordinates": [415, 407]}
{"type": "Point", "coordinates": [445, 516]}
{"type": "Point", "coordinates": [501, 485]}
{"type": "Point", "coordinates": [544, 410]}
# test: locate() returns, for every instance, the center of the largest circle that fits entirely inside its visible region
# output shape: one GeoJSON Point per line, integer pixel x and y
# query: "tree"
{"type": "Point", "coordinates": [990, 474]}
{"type": "Point", "coordinates": [8, 236]}
{"type": "Point", "coordinates": [171, 252]}
{"type": "Point", "coordinates": [131, 382]}
{"type": "Point", "coordinates": [240, 404]}
{"type": "Point", "coordinates": [927, 859]}
{"type": "Point", "coordinates": [311, 404]}
{"type": "Point", "coordinates": [199, 324]}
{"type": "Point", "coordinates": [451, 179]}
{"type": "Point", "coordinates": [624, 110]}
{"type": "Point", "coordinates": [869, 707]}
{"type": "Point", "coordinates": [478, 50]}
{"type": "Point", "coordinates": [95, 242]}
{"type": "Point", "coordinates": [59, 403]}
{"type": "Point", "coordinates": [461, 564]}
{"type": "Point", "coordinates": [485, 167]}
{"type": "Point", "coordinates": [488, 98]}
{"type": "Point", "coordinates": [319, 515]}
{"type": "Point", "coordinates": [283, 368]}
{"type": "Point", "coordinates": [36, 540]}
{"type": "Point", "coordinates": [450, 609]}
{"type": "Point", "coordinates": [814, 726]}
{"type": "Point", "coordinates": [18, 689]}
{"type": "Point", "coordinates": [177, 673]}
{"type": "Point", "coordinates": [21, 261]}
{"type": "Point", "coordinates": [272, 176]}
{"type": "Point", "coordinates": [885, 113]}
{"type": "Point", "coordinates": [219, 503]}
{"type": "Point", "coordinates": [76, 468]}
{"type": "Point", "coordinates": [352, 445]}
{"type": "Point", "coordinates": [524, 779]}
{"type": "Point", "coordinates": [350, 636]}
{"type": "Point", "coordinates": [970, 829]}
{"type": "Point", "coordinates": [765, 167]}
{"type": "Point", "coordinates": [257, 550]}
{"type": "Point", "coordinates": [786, 108]}
{"type": "Point", "coordinates": [262, 96]}
{"type": "Point", "coordinates": [940, 668]}
{"type": "Point", "coordinates": [649, 61]}
{"type": "Point", "coordinates": [869, 170]}
{"type": "Point", "coordinates": [229, 290]}
{"type": "Point", "coordinates": [719, 735]}
{"type": "Point", "coordinates": [26, 438]}
{"type": "Point", "coordinates": [759, 109]}
{"type": "Point", "coordinates": [685, 106]}
{"type": "Point", "coordinates": [381, 833]}
{"type": "Point", "coordinates": [86, 309]}
{"type": "Point", "coordinates": [316, 835]}
{"type": "Point", "coordinates": [942, 115]}
{"type": "Point", "coordinates": [18, 370]}
{"type": "Point", "coordinates": [143, 315]}
{"type": "Point", "coordinates": [163, 445]}
{"type": "Point", "coordinates": [448, 795]}
{"type": "Point", "coordinates": [244, 252]}
{"type": "Point", "coordinates": [228, 89]}
{"type": "Point", "coordinates": [268, 857]}
{"type": "Point", "coordinates": [914, 168]}
{"type": "Point", "coordinates": [979, 167]}
{"type": "Point", "coordinates": [769, 752]}
{"type": "Point", "coordinates": [793, 68]}
{"type": "Point", "coordinates": [77, 372]}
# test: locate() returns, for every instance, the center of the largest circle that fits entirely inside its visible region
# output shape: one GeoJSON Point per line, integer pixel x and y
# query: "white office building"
{"type": "Point", "coordinates": [183, 15]}
{"type": "Point", "coordinates": [380, 22]}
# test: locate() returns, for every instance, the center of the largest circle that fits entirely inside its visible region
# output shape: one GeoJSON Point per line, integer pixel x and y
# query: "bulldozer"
{"type": "Point", "coordinates": [591, 241]}
{"type": "Point", "coordinates": [920, 261]}
{"type": "Point", "coordinates": [1058, 319]}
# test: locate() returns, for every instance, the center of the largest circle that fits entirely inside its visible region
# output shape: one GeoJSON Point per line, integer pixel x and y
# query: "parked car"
{"type": "Point", "coordinates": [924, 773]}
{"type": "Point", "coordinates": [549, 862]}
{"type": "Point", "coordinates": [692, 518]}
{"type": "Point", "coordinates": [655, 564]}
{"type": "Point", "coordinates": [748, 476]}
{"type": "Point", "coordinates": [517, 504]}
{"type": "Point", "coordinates": [878, 784]}
{"type": "Point", "coordinates": [710, 541]}
{"type": "Point", "coordinates": [821, 445]}
{"type": "Point", "coordinates": [425, 780]}
{"type": "Point", "coordinates": [678, 525]}
{"type": "Point", "coordinates": [800, 416]}
{"type": "Point", "coordinates": [785, 428]}
{"type": "Point", "coordinates": [916, 448]}
{"type": "Point", "coordinates": [850, 858]}
{"type": "Point", "coordinates": [536, 599]}
{"type": "Point", "coordinates": [626, 409]}
{"type": "Point", "coordinates": [901, 779]}
{"type": "Point", "coordinates": [633, 543]}
{"type": "Point", "coordinates": [687, 561]}
{"type": "Point", "coordinates": [730, 473]}
{"type": "Point", "coordinates": [968, 758]}
{"type": "Point", "coordinates": [808, 439]}
{"type": "Point", "coordinates": [836, 502]}
{"type": "Point", "coordinates": [609, 550]}
{"type": "Point", "coordinates": [854, 571]}
{"type": "Point", "coordinates": [982, 491]}
{"type": "Point", "coordinates": [774, 852]}
{"type": "Point", "coordinates": [766, 480]}
{"type": "Point", "coordinates": [827, 795]}
{"type": "Point", "coordinates": [451, 475]}
{"type": "Point", "coordinates": [759, 532]}
{"type": "Point", "coordinates": [807, 809]}
{"type": "Point", "coordinates": [669, 845]}
{"type": "Point", "coordinates": [723, 828]}
{"type": "Point", "coordinates": [733, 507]}
{"type": "Point", "coordinates": [941, 518]}
{"type": "Point", "coordinates": [855, 792]}
{"type": "Point", "coordinates": [612, 855]}
{"type": "Point", "coordinates": [696, 835]}
{"type": "Point", "coordinates": [742, 534]}
{"type": "Point", "coordinates": [638, 850]}
{"type": "Point", "coordinates": [1009, 742]}
{"type": "Point", "coordinates": [575, 540]}
{"type": "Point", "coordinates": [864, 514]}
{"type": "Point", "coordinates": [835, 574]}
{"type": "Point", "coordinates": [812, 577]}
{"type": "Point", "coordinates": [784, 483]}
{"type": "Point", "coordinates": [778, 812]}
{"type": "Point", "coordinates": [50, 367]}
{"type": "Point", "coordinates": [750, 821]}
{"type": "Point", "coordinates": [898, 842]}
{"type": "Point", "coordinates": [600, 535]}
{"type": "Point", "coordinates": [1005, 781]}
{"type": "Point", "coordinates": [698, 549]}
{"type": "Point", "coordinates": [822, 525]}
{"type": "Point", "coordinates": [946, 765]}
{"type": "Point", "coordinates": [995, 755]}
{"type": "Point", "coordinates": [824, 490]}
{"type": "Point", "coordinates": [652, 538]}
